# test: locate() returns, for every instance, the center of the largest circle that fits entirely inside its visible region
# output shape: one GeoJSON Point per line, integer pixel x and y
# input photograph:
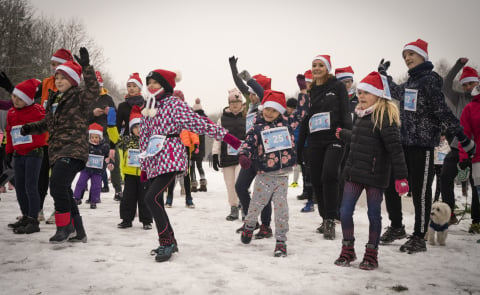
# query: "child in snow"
{"type": "Point", "coordinates": [98, 157]}
{"type": "Point", "coordinates": [66, 122]}
{"type": "Point", "coordinates": [376, 137]}
{"type": "Point", "coordinates": [27, 151]}
{"type": "Point", "coordinates": [224, 157]}
{"type": "Point", "coordinates": [134, 189]}
{"type": "Point", "coordinates": [162, 152]}
{"type": "Point", "coordinates": [270, 142]}
{"type": "Point", "coordinates": [423, 111]}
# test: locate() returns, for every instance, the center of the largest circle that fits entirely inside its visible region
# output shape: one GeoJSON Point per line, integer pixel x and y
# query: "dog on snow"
{"type": "Point", "coordinates": [439, 221]}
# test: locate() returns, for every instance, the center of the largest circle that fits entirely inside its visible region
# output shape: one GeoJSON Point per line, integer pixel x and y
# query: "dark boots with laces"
{"type": "Point", "coordinates": [329, 229]}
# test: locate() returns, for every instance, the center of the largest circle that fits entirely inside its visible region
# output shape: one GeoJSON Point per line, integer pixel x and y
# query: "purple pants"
{"type": "Point", "coordinates": [95, 186]}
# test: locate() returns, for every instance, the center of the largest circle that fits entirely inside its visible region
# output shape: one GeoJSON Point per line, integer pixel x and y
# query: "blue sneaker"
{"type": "Point", "coordinates": [309, 207]}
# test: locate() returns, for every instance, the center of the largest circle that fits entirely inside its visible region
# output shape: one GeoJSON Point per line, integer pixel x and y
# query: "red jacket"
{"type": "Point", "coordinates": [19, 117]}
{"type": "Point", "coordinates": [470, 120]}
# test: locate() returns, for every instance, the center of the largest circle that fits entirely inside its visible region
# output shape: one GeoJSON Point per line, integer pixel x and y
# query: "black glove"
{"type": "Point", "coordinates": [25, 130]}
{"type": "Point", "coordinates": [8, 160]}
{"type": "Point", "coordinates": [464, 164]}
{"type": "Point", "coordinates": [84, 59]}
{"type": "Point", "coordinates": [233, 60]}
{"type": "Point", "coordinates": [216, 164]}
{"type": "Point", "coordinates": [5, 83]}
{"type": "Point", "coordinates": [383, 67]}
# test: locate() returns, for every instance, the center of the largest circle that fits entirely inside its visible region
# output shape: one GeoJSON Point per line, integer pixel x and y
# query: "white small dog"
{"type": "Point", "coordinates": [439, 221]}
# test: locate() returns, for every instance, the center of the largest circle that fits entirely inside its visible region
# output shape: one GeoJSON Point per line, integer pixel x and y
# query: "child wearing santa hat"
{"type": "Point", "coordinates": [458, 100]}
{"type": "Point", "coordinates": [270, 142]}
{"type": "Point", "coordinates": [163, 155]}
{"type": "Point", "coordinates": [134, 190]}
{"type": "Point", "coordinates": [423, 112]}
{"type": "Point", "coordinates": [98, 152]}
{"type": "Point", "coordinates": [27, 151]}
{"type": "Point", "coordinates": [376, 136]}
{"type": "Point", "coordinates": [66, 122]}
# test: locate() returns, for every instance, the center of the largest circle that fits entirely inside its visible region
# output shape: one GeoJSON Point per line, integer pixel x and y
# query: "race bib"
{"type": "Point", "coordinates": [133, 158]}
{"type": "Point", "coordinates": [410, 100]}
{"type": "Point", "coordinates": [441, 157]}
{"type": "Point", "coordinates": [231, 151]}
{"type": "Point", "coordinates": [276, 139]}
{"type": "Point", "coordinates": [249, 121]}
{"type": "Point", "coordinates": [17, 138]}
{"type": "Point", "coordinates": [318, 122]}
{"type": "Point", "coordinates": [155, 145]}
{"type": "Point", "coordinates": [95, 161]}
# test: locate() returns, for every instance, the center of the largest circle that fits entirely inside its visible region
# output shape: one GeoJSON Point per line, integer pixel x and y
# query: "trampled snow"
{"type": "Point", "coordinates": [212, 260]}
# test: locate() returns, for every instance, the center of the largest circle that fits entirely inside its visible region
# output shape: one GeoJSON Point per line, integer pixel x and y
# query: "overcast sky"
{"type": "Point", "coordinates": [275, 38]}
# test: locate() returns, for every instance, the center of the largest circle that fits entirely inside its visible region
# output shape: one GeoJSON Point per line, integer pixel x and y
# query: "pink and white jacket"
{"type": "Point", "coordinates": [172, 117]}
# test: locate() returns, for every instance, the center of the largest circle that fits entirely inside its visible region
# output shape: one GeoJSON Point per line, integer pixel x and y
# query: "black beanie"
{"type": "Point", "coordinates": [292, 103]}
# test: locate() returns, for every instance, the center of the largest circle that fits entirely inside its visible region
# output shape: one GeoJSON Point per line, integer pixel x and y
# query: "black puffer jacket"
{"type": "Point", "coordinates": [373, 152]}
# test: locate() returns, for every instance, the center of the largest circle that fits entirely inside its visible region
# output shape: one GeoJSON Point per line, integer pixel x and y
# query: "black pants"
{"type": "Point", "coordinates": [420, 177]}
{"type": "Point", "coordinates": [244, 180]}
{"type": "Point", "coordinates": [198, 164]}
{"type": "Point", "coordinates": [155, 203]}
{"type": "Point", "coordinates": [44, 177]}
{"type": "Point", "coordinates": [341, 181]}
{"type": "Point", "coordinates": [63, 173]}
{"type": "Point", "coordinates": [324, 161]}
{"type": "Point", "coordinates": [134, 193]}
{"type": "Point", "coordinates": [449, 172]}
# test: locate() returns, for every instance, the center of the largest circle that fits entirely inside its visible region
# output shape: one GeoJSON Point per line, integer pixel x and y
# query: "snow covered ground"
{"type": "Point", "coordinates": [212, 260]}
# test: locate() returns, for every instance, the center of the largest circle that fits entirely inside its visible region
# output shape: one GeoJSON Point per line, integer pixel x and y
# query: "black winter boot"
{"type": "Point", "coordinates": [21, 222]}
{"type": "Point", "coordinates": [80, 230]}
{"type": "Point", "coordinates": [65, 228]}
{"type": "Point", "coordinates": [329, 232]}
{"type": "Point", "coordinates": [29, 228]}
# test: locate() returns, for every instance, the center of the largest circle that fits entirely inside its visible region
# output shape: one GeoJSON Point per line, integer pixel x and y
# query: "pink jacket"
{"type": "Point", "coordinates": [172, 117]}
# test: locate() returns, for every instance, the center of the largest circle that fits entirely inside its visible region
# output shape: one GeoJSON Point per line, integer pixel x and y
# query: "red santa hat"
{"type": "Point", "coordinates": [99, 78]}
{"type": "Point", "coordinates": [308, 76]}
{"type": "Point", "coordinates": [135, 78]}
{"type": "Point", "coordinates": [326, 61]}
{"type": "Point", "coordinates": [26, 90]}
{"type": "Point", "coordinates": [71, 70]}
{"type": "Point", "coordinates": [135, 116]}
{"type": "Point", "coordinates": [62, 56]}
{"type": "Point", "coordinates": [274, 99]}
{"type": "Point", "coordinates": [234, 95]}
{"type": "Point", "coordinates": [373, 84]}
{"type": "Point", "coordinates": [344, 73]}
{"type": "Point", "coordinates": [264, 81]}
{"type": "Point", "coordinates": [468, 75]}
{"type": "Point", "coordinates": [167, 79]}
{"type": "Point", "coordinates": [419, 46]}
{"type": "Point", "coordinates": [95, 128]}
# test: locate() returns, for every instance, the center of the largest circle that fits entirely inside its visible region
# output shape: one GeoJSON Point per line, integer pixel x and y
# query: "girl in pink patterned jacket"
{"type": "Point", "coordinates": [162, 154]}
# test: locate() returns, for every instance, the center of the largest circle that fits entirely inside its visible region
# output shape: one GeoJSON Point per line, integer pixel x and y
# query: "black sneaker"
{"type": "Point", "coordinates": [30, 228]}
{"type": "Point", "coordinates": [264, 232]}
{"type": "Point", "coordinates": [414, 244]}
{"type": "Point", "coordinates": [21, 222]}
{"type": "Point", "coordinates": [246, 236]}
{"type": "Point", "coordinates": [124, 224]}
{"type": "Point", "coordinates": [147, 226]}
{"type": "Point", "coordinates": [93, 206]}
{"type": "Point", "coordinates": [303, 196]}
{"type": "Point", "coordinates": [392, 234]}
{"type": "Point", "coordinates": [280, 249]}
{"type": "Point", "coordinates": [163, 253]}
{"type": "Point", "coordinates": [118, 196]}
{"type": "Point", "coordinates": [79, 201]}
{"type": "Point", "coordinates": [105, 189]}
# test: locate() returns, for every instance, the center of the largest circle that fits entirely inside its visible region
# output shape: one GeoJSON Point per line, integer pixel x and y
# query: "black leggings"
{"type": "Point", "coordinates": [154, 201]}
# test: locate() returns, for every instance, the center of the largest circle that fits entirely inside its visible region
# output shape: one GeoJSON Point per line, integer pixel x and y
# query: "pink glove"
{"type": "Point", "coordinates": [143, 176]}
{"type": "Point", "coordinates": [401, 186]}
{"type": "Point", "coordinates": [245, 162]}
{"type": "Point", "coordinates": [232, 140]}
{"type": "Point", "coordinates": [337, 132]}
